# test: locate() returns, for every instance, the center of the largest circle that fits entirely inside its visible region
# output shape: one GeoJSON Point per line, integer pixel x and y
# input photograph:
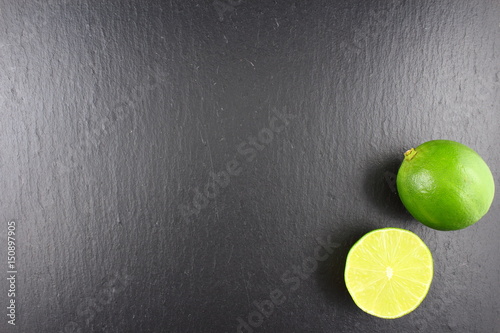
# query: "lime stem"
{"type": "Point", "coordinates": [409, 154]}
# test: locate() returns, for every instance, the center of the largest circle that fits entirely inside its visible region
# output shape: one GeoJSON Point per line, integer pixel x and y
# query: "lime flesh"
{"type": "Point", "coordinates": [389, 272]}
{"type": "Point", "coordinates": [445, 185]}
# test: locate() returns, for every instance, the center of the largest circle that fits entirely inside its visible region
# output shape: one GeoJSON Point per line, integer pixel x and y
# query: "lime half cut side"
{"type": "Point", "coordinates": [389, 272]}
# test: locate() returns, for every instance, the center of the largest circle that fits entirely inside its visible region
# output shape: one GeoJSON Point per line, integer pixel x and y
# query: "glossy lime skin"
{"type": "Point", "coordinates": [445, 185]}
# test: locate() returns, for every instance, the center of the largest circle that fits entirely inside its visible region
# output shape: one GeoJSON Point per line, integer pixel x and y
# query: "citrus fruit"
{"type": "Point", "coordinates": [389, 272]}
{"type": "Point", "coordinates": [445, 185]}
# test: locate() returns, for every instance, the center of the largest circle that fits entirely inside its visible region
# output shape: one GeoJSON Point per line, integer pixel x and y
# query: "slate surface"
{"type": "Point", "coordinates": [115, 115]}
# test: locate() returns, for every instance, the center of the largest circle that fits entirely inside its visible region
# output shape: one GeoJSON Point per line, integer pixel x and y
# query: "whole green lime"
{"type": "Point", "coordinates": [445, 185]}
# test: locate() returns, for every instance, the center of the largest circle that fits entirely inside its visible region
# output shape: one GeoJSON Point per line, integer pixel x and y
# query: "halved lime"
{"type": "Point", "coordinates": [389, 272]}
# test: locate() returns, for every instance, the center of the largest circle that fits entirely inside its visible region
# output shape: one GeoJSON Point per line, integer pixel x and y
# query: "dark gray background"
{"type": "Point", "coordinates": [113, 113]}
